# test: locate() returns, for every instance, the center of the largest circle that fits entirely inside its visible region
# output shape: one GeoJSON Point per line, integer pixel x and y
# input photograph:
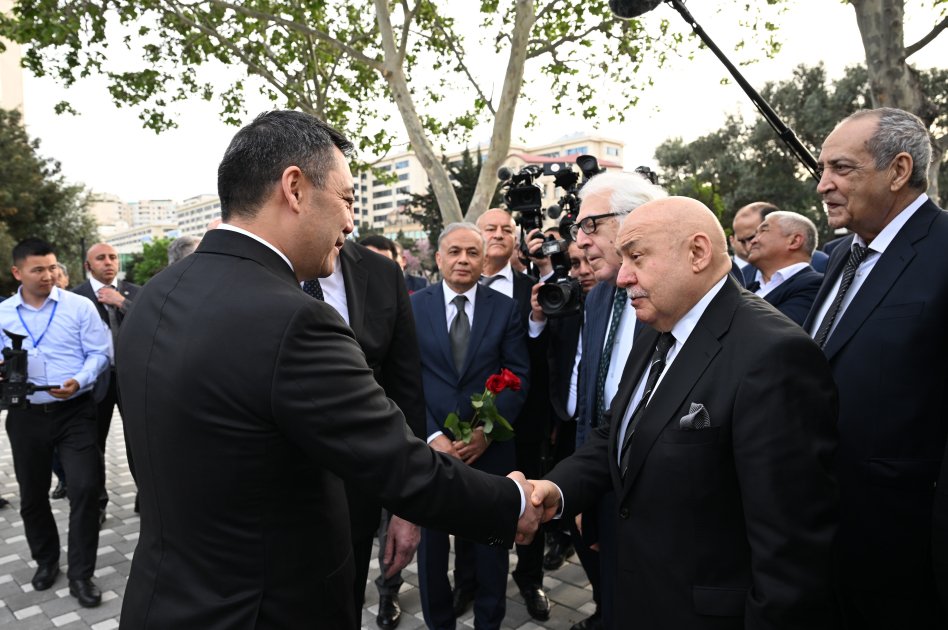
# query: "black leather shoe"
{"type": "Point", "coordinates": [537, 603]}
{"type": "Point", "coordinates": [593, 622]}
{"type": "Point", "coordinates": [461, 601]}
{"type": "Point", "coordinates": [3, 503]}
{"type": "Point", "coordinates": [44, 577]}
{"type": "Point", "coordinates": [59, 492]}
{"type": "Point", "coordinates": [101, 517]}
{"type": "Point", "coordinates": [557, 555]}
{"type": "Point", "coordinates": [86, 592]}
{"type": "Point", "coordinates": [390, 613]}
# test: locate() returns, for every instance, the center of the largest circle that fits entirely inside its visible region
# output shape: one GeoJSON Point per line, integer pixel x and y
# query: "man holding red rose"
{"type": "Point", "coordinates": [473, 332]}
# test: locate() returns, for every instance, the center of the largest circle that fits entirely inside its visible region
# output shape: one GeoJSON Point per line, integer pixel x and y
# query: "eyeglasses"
{"type": "Point", "coordinates": [587, 225]}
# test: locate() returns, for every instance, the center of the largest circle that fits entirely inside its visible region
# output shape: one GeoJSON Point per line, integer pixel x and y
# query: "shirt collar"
{"type": "Point", "coordinates": [505, 272]}
{"type": "Point", "coordinates": [96, 285]}
{"type": "Point", "coordinates": [17, 298]}
{"type": "Point", "coordinates": [884, 239]}
{"type": "Point", "coordinates": [782, 274]}
{"type": "Point", "coordinates": [234, 228]}
{"type": "Point", "coordinates": [449, 294]}
{"type": "Point", "coordinates": [686, 325]}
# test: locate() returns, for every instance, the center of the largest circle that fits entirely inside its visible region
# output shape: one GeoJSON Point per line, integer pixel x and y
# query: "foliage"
{"type": "Point", "coordinates": [495, 425]}
{"type": "Point", "coordinates": [349, 63]}
{"type": "Point", "coordinates": [464, 174]}
{"type": "Point", "coordinates": [154, 258]}
{"type": "Point", "coordinates": [35, 200]}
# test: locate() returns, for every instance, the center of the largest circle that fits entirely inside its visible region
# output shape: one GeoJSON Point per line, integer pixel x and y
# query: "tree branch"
{"type": "Point", "coordinates": [451, 41]}
{"type": "Point", "coordinates": [550, 47]}
{"type": "Point", "coordinates": [357, 55]}
{"type": "Point", "coordinates": [932, 34]}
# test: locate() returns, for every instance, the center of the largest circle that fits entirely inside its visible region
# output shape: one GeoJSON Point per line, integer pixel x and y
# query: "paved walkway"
{"type": "Point", "coordinates": [22, 607]}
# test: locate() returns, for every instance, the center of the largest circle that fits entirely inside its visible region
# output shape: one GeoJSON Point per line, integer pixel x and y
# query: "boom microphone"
{"type": "Point", "coordinates": [627, 9]}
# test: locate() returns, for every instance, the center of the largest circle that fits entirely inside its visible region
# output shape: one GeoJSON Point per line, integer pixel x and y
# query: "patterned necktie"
{"type": "Point", "coordinates": [489, 280]}
{"type": "Point", "coordinates": [662, 346]}
{"type": "Point", "coordinates": [618, 305]}
{"type": "Point", "coordinates": [856, 256]}
{"type": "Point", "coordinates": [459, 333]}
{"type": "Point", "coordinates": [311, 287]}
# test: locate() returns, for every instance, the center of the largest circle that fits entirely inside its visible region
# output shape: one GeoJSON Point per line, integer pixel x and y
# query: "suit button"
{"type": "Point", "coordinates": [624, 513]}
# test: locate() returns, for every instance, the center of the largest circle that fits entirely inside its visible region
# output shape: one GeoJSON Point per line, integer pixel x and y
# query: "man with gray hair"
{"type": "Point", "coordinates": [471, 333]}
{"type": "Point", "coordinates": [880, 318]}
{"type": "Point", "coordinates": [181, 247]}
{"type": "Point", "coordinates": [781, 251]}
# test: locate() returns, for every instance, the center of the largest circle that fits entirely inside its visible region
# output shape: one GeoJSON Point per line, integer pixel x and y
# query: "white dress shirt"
{"type": "Point", "coordinates": [780, 276]}
{"type": "Point", "coordinates": [504, 281]}
{"type": "Point", "coordinates": [876, 249]}
{"type": "Point", "coordinates": [334, 290]}
{"type": "Point", "coordinates": [621, 347]}
{"type": "Point", "coordinates": [239, 230]}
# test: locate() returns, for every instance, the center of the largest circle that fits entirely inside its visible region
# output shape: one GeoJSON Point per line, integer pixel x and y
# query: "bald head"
{"type": "Point", "coordinates": [673, 251]}
{"type": "Point", "coordinates": [498, 228]}
{"type": "Point", "coordinates": [102, 262]}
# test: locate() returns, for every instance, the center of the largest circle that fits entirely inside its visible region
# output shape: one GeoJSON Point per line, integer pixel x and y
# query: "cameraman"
{"type": "Point", "coordinates": [68, 347]}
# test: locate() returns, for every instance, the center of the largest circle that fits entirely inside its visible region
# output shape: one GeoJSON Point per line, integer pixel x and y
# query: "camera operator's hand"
{"type": "Point", "coordinates": [65, 390]}
{"type": "Point", "coordinates": [535, 240]}
{"type": "Point", "coordinates": [536, 311]}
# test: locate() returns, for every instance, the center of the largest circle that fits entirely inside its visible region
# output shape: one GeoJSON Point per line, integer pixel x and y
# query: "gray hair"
{"type": "Point", "coordinates": [460, 225]}
{"type": "Point", "coordinates": [628, 191]}
{"type": "Point", "coordinates": [899, 131]}
{"type": "Point", "coordinates": [795, 223]}
{"type": "Point", "coordinates": [181, 247]}
{"type": "Point", "coordinates": [63, 268]}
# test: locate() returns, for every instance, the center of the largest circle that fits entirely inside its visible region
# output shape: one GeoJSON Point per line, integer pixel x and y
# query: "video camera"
{"type": "Point", "coordinates": [15, 385]}
{"type": "Point", "coordinates": [561, 295]}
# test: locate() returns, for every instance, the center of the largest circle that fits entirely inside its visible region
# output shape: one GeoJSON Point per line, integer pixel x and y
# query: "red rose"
{"type": "Point", "coordinates": [496, 384]}
{"type": "Point", "coordinates": [511, 380]}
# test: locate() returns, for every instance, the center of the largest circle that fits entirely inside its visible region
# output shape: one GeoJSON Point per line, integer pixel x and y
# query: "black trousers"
{"type": "Point", "coordinates": [529, 571]}
{"type": "Point", "coordinates": [70, 427]}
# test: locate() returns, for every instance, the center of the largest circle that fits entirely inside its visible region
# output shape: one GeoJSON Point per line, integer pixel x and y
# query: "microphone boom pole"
{"type": "Point", "coordinates": [785, 133]}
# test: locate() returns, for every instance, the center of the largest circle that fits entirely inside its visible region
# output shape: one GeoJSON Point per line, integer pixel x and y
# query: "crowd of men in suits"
{"type": "Point", "coordinates": [746, 440]}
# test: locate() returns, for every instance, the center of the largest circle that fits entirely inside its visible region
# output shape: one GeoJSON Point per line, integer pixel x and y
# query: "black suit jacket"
{"type": "Point", "coordinates": [794, 296]}
{"type": "Point", "coordinates": [130, 292]}
{"type": "Point", "coordinates": [381, 319]}
{"type": "Point", "coordinates": [888, 356]}
{"type": "Point", "coordinates": [247, 400]}
{"type": "Point", "coordinates": [533, 424]}
{"type": "Point", "coordinates": [728, 526]}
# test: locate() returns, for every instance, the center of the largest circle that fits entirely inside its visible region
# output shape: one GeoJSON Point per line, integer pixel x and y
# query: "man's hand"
{"type": "Point", "coordinates": [536, 311]}
{"type": "Point", "coordinates": [444, 445]}
{"type": "Point", "coordinates": [579, 528]}
{"type": "Point", "coordinates": [535, 240]}
{"type": "Point", "coordinates": [401, 541]}
{"type": "Point", "coordinates": [470, 453]}
{"type": "Point", "coordinates": [108, 295]}
{"type": "Point", "coordinates": [65, 390]}
{"type": "Point", "coordinates": [546, 497]}
{"type": "Point", "coordinates": [530, 519]}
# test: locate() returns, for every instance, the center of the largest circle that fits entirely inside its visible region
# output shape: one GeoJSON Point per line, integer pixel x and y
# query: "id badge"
{"type": "Point", "coordinates": [36, 367]}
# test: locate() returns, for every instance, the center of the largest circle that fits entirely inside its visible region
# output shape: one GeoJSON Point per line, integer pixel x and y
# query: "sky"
{"type": "Point", "coordinates": [107, 150]}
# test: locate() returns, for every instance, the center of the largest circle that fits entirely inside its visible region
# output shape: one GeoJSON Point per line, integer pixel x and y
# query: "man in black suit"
{"type": "Point", "coordinates": [455, 365]}
{"type": "Point", "coordinates": [880, 317]}
{"type": "Point", "coordinates": [112, 299]}
{"type": "Point", "coordinates": [718, 447]}
{"type": "Point", "coordinates": [369, 293]}
{"type": "Point", "coordinates": [247, 400]}
{"type": "Point", "coordinates": [781, 252]}
{"type": "Point", "coordinates": [498, 228]}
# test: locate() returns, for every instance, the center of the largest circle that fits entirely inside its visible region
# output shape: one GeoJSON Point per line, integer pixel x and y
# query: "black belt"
{"type": "Point", "coordinates": [53, 407]}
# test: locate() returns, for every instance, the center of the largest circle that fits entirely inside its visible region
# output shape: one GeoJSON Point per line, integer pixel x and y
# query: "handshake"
{"type": "Point", "coordinates": [543, 502]}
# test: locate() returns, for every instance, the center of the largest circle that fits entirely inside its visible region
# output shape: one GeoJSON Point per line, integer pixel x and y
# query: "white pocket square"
{"type": "Point", "coordinates": [697, 418]}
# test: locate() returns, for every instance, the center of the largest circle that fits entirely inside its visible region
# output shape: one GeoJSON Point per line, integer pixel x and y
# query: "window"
{"type": "Point", "coordinates": [386, 168]}
{"type": "Point", "coordinates": [613, 151]}
{"type": "Point", "coordinates": [402, 177]}
{"type": "Point", "coordinates": [401, 164]}
{"type": "Point", "coordinates": [403, 190]}
{"type": "Point", "coordinates": [382, 193]}
{"type": "Point", "coordinates": [552, 154]}
{"type": "Point", "coordinates": [382, 206]}
{"type": "Point", "coordinates": [577, 151]}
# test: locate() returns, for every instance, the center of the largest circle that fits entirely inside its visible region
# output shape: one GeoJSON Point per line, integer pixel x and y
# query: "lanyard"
{"type": "Point", "coordinates": [36, 342]}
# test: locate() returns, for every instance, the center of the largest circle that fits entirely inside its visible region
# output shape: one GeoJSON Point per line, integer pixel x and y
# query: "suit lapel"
{"type": "Point", "coordinates": [688, 367]}
{"type": "Point", "coordinates": [886, 271]}
{"type": "Point", "coordinates": [777, 294]}
{"type": "Point", "coordinates": [833, 268]}
{"type": "Point", "coordinates": [356, 279]}
{"type": "Point", "coordinates": [438, 322]}
{"type": "Point", "coordinates": [484, 308]}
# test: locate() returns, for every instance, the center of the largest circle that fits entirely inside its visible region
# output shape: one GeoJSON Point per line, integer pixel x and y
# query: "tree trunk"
{"type": "Point", "coordinates": [503, 121]}
{"type": "Point", "coordinates": [395, 77]}
{"type": "Point", "coordinates": [893, 83]}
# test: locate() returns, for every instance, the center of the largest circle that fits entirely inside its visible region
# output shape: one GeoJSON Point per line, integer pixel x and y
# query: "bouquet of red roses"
{"type": "Point", "coordinates": [495, 425]}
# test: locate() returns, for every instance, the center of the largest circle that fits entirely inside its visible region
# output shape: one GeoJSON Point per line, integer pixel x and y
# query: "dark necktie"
{"type": "Point", "coordinates": [754, 286]}
{"type": "Point", "coordinates": [311, 287]}
{"type": "Point", "coordinates": [113, 325]}
{"type": "Point", "coordinates": [459, 333]}
{"type": "Point", "coordinates": [618, 305]}
{"type": "Point", "coordinates": [657, 365]}
{"type": "Point", "coordinates": [856, 256]}
{"type": "Point", "coordinates": [489, 280]}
